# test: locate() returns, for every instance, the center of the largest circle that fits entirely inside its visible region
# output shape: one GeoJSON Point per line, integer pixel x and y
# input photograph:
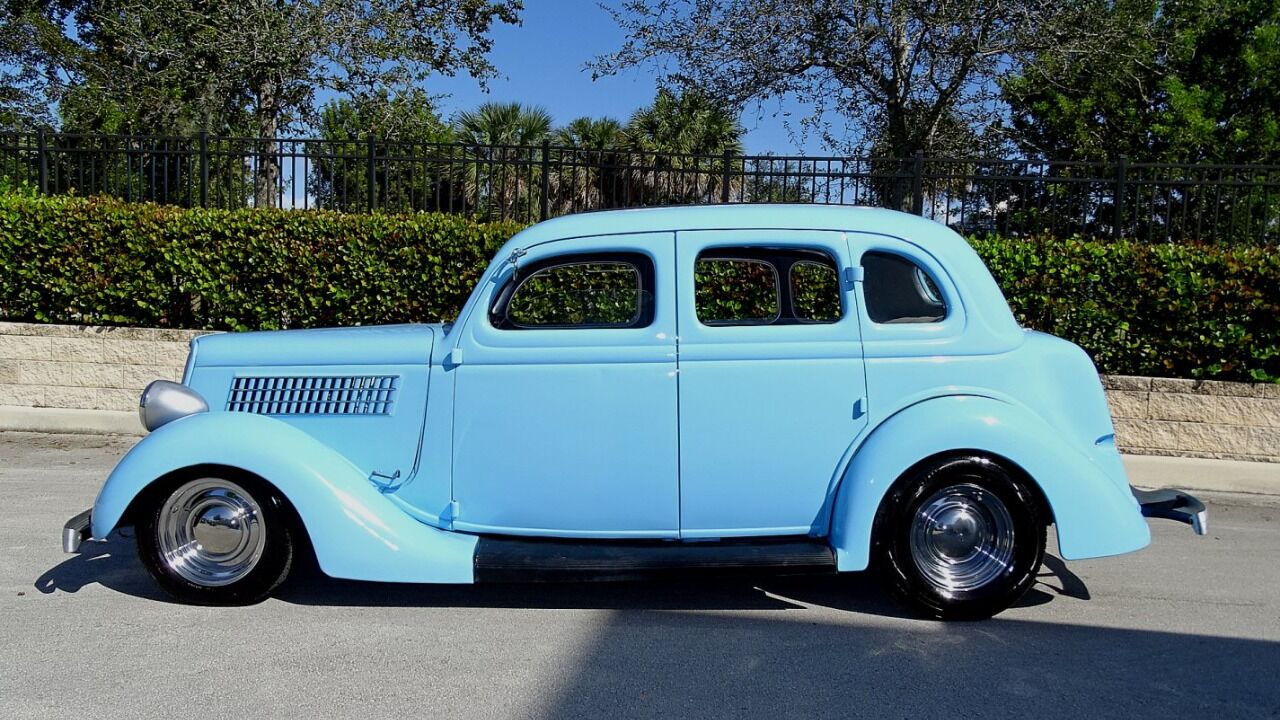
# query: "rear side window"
{"type": "Point", "coordinates": [898, 290]}
{"type": "Point", "coordinates": [736, 291]}
{"type": "Point", "coordinates": [606, 291]}
{"type": "Point", "coordinates": [766, 286]}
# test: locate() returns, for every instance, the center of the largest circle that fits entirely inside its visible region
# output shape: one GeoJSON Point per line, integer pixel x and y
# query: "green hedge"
{"type": "Point", "coordinates": [101, 261]}
{"type": "Point", "coordinates": [1170, 310]}
{"type": "Point", "coordinates": [1148, 309]}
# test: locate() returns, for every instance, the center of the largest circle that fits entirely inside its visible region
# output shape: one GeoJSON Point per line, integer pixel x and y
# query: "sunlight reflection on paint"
{"type": "Point", "coordinates": [363, 517]}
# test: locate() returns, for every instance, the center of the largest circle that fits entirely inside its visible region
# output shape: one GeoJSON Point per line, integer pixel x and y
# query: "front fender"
{"type": "Point", "coordinates": [1094, 511]}
{"type": "Point", "coordinates": [357, 532]}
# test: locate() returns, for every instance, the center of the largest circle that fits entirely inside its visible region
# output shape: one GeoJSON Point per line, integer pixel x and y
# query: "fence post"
{"type": "Point", "coordinates": [545, 200]}
{"type": "Point", "coordinates": [1122, 172]}
{"type": "Point", "coordinates": [917, 184]}
{"type": "Point", "coordinates": [204, 168]}
{"type": "Point", "coordinates": [370, 182]}
{"type": "Point", "coordinates": [724, 180]}
{"type": "Point", "coordinates": [42, 148]}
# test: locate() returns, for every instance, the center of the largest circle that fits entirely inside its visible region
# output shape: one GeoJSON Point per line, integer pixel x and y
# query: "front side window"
{"type": "Point", "coordinates": [899, 291]}
{"type": "Point", "coordinates": [591, 292]}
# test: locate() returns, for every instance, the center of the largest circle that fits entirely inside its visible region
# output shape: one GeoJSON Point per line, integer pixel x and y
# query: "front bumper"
{"type": "Point", "coordinates": [76, 531]}
{"type": "Point", "coordinates": [1174, 505]}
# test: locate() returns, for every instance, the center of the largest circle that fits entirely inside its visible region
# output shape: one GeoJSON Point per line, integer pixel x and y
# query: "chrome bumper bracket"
{"type": "Point", "coordinates": [76, 531]}
{"type": "Point", "coordinates": [1172, 504]}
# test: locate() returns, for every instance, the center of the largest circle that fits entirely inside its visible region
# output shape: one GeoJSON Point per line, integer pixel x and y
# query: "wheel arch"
{"type": "Point", "coordinates": [1013, 468]}
{"type": "Point", "coordinates": [354, 530]}
{"type": "Point", "coordinates": [152, 492]}
{"type": "Point", "coordinates": [1094, 513]}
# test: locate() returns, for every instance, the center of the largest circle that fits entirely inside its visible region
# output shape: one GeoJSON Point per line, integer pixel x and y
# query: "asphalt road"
{"type": "Point", "coordinates": [1189, 627]}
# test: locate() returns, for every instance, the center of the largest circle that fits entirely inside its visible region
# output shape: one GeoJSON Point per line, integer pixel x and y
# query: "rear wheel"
{"type": "Point", "coordinates": [960, 538]}
{"type": "Point", "coordinates": [213, 540]}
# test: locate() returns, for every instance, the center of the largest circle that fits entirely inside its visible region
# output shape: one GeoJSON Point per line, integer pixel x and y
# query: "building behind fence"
{"type": "Point", "coordinates": [1154, 202]}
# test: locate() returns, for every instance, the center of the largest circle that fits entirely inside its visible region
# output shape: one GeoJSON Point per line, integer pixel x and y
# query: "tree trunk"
{"type": "Point", "coordinates": [902, 147]}
{"type": "Point", "coordinates": [267, 175]}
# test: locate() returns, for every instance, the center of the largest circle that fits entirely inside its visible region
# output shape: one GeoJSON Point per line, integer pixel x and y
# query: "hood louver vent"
{"type": "Point", "coordinates": [314, 395]}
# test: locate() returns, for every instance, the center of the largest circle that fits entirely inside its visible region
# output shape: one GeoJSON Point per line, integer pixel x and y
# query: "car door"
{"type": "Point", "coordinates": [772, 384]}
{"type": "Point", "coordinates": [565, 410]}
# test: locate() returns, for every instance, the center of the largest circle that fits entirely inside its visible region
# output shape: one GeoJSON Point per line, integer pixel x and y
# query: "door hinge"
{"type": "Point", "coordinates": [514, 259]}
{"type": "Point", "coordinates": [853, 275]}
{"type": "Point", "coordinates": [450, 513]}
{"type": "Point", "coordinates": [455, 357]}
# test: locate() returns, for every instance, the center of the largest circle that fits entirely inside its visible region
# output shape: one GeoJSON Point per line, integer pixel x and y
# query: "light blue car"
{"type": "Point", "coordinates": [772, 388]}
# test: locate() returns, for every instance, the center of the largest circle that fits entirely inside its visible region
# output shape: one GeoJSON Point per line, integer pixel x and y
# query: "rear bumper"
{"type": "Point", "coordinates": [1174, 505]}
{"type": "Point", "coordinates": [76, 531]}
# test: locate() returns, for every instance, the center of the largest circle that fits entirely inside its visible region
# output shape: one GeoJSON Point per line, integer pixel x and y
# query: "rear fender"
{"type": "Point", "coordinates": [356, 531]}
{"type": "Point", "coordinates": [1093, 509]}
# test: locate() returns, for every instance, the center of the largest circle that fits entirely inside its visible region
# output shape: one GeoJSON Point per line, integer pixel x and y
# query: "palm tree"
{"type": "Point", "coordinates": [591, 133]}
{"type": "Point", "coordinates": [496, 123]}
{"type": "Point", "coordinates": [679, 143]}
{"type": "Point", "coordinates": [588, 171]}
{"type": "Point", "coordinates": [502, 167]}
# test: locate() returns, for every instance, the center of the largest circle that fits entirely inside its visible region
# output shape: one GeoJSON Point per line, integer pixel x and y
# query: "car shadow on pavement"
{"type": "Point", "coordinates": [114, 564]}
{"type": "Point", "coordinates": [713, 665]}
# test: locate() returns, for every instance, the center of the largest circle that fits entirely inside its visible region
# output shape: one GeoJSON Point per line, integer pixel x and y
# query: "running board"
{"type": "Point", "coordinates": [506, 559]}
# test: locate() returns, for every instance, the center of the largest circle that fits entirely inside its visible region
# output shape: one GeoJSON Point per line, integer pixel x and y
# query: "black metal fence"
{"type": "Point", "coordinates": [1148, 201]}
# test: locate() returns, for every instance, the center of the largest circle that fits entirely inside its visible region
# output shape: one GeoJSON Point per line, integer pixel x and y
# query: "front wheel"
{"type": "Point", "coordinates": [217, 540]}
{"type": "Point", "coordinates": [960, 538]}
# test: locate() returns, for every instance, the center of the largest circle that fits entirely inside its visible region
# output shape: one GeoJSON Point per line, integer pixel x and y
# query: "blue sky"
{"type": "Point", "coordinates": [541, 63]}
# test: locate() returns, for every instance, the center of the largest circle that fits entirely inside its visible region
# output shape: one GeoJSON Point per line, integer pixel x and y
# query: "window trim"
{"type": "Point", "coordinates": [641, 263]}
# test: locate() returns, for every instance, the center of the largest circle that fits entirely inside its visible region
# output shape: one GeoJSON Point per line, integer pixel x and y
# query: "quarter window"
{"type": "Point", "coordinates": [593, 292]}
{"type": "Point", "coordinates": [815, 292]}
{"type": "Point", "coordinates": [898, 290]}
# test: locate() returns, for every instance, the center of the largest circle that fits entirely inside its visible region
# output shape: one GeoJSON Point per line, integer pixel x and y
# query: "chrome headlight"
{"type": "Point", "coordinates": [164, 401]}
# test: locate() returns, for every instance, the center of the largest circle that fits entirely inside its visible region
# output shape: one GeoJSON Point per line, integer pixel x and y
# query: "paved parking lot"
{"type": "Point", "coordinates": [1189, 627]}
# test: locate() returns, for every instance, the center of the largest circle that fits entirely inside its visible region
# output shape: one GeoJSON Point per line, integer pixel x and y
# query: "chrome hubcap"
{"type": "Point", "coordinates": [210, 532]}
{"type": "Point", "coordinates": [962, 538]}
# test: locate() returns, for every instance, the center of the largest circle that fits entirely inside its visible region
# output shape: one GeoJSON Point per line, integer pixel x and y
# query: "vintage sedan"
{"type": "Point", "coordinates": [783, 388]}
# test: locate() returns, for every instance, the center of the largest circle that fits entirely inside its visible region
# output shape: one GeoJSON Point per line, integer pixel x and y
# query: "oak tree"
{"type": "Point", "coordinates": [900, 74]}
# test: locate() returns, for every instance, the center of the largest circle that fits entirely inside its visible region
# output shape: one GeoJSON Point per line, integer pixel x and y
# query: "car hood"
{"type": "Point", "coordinates": [379, 344]}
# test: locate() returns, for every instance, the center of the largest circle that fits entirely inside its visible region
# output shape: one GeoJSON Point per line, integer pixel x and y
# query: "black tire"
{"type": "Point", "coordinates": [264, 566]}
{"type": "Point", "coordinates": [963, 496]}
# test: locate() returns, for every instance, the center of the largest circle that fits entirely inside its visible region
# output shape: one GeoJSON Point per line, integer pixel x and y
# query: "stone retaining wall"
{"type": "Point", "coordinates": [86, 367]}
{"type": "Point", "coordinates": [1208, 418]}
{"type": "Point", "coordinates": [98, 368]}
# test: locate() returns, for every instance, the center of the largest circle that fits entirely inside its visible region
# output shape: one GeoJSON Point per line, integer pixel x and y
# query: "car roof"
{"type": "Point", "coordinates": [796, 216]}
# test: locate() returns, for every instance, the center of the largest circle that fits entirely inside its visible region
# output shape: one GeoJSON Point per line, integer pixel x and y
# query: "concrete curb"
{"type": "Point", "coordinates": [1233, 476]}
{"type": "Point", "coordinates": [65, 420]}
